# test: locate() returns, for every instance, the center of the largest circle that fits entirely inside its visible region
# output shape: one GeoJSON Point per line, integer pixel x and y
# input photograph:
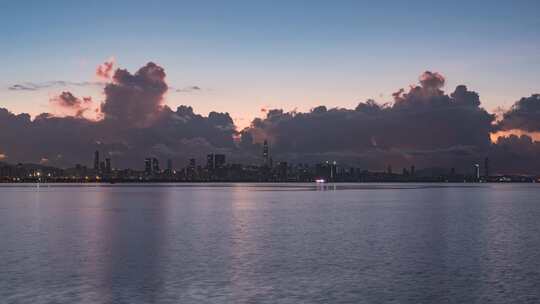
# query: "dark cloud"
{"type": "Point", "coordinates": [75, 106]}
{"type": "Point", "coordinates": [524, 115]}
{"type": "Point", "coordinates": [135, 100]}
{"type": "Point", "coordinates": [516, 155]}
{"type": "Point", "coordinates": [423, 118]}
{"type": "Point", "coordinates": [24, 87]}
{"type": "Point", "coordinates": [135, 124]}
{"type": "Point", "coordinates": [432, 80]}
{"type": "Point", "coordinates": [35, 86]}
{"type": "Point", "coordinates": [422, 126]}
{"type": "Point", "coordinates": [189, 89]}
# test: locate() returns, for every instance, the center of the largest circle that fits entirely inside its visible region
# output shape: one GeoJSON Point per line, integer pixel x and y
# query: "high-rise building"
{"type": "Point", "coordinates": [148, 166]}
{"type": "Point", "coordinates": [412, 170]}
{"type": "Point", "coordinates": [96, 160]}
{"type": "Point", "coordinates": [477, 171]}
{"type": "Point", "coordinates": [333, 171]}
{"type": "Point", "coordinates": [102, 168]}
{"type": "Point", "coordinates": [108, 169]}
{"type": "Point", "coordinates": [266, 153]}
{"type": "Point", "coordinates": [219, 161]}
{"type": "Point", "coordinates": [155, 166]}
{"type": "Point", "coordinates": [191, 169]}
{"type": "Point", "coordinates": [210, 161]}
{"type": "Point", "coordinates": [214, 161]}
{"type": "Point", "coordinates": [169, 166]}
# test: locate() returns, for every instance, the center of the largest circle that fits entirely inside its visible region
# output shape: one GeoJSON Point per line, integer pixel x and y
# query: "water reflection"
{"type": "Point", "coordinates": [270, 244]}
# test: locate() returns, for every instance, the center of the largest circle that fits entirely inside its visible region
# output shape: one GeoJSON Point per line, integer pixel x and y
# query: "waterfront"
{"type": "Point", "coordinates": [270, 243]}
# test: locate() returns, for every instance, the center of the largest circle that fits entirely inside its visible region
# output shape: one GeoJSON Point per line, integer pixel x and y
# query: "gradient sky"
{"type": "Point", "coordinates": [249, 55]}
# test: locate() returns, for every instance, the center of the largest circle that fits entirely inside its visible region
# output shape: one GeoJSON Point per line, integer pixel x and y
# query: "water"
{"type": "Point", "coordinates": [248, 243]}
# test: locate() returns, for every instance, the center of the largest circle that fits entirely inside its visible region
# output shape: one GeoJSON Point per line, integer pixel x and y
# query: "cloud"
{"type": "Point", "coordinates": [74, 106]}
{"type": "Point", "coordinates": [135, 100]}
{"type": "Point", "coordinates": [24, 87]}
{"type": "Point", "coordinates": [431, 80]}
{"type": "Point", "coordinates": [423, 118]}
{"type": "Point", "coordinates": [189, 89]}
{"type": "Point", "coordinates": [524, 115]}
{"type": "Point", "coordinates": [35, 86]}
{"type": "Point", "coordinates": [422, 125]}
{"type": "Point", "coordinates": [135, 124]}
{"type": "Point", "coordinates": [516, 155]}
{"type": "Point", "coordinates": [104, 71]}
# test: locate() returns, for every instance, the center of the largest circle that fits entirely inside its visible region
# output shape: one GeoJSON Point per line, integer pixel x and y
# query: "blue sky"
{"type": "Point", "coordinates": [247, 55]}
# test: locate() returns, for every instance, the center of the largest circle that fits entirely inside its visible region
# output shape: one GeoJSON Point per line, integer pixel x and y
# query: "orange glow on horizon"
{"type": "Point", "coordinates": [494, 136]}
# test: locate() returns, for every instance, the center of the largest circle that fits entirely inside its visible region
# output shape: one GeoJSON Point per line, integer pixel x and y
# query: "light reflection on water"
{"type": "Point", "coordinates": [267, 243]}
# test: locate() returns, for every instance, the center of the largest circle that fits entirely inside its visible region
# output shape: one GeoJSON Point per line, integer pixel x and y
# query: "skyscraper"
{"type": "Point", "coordinates": [210, 161]}
{"type": "Point", "coordinates": [108, 169]}
{"type": "Point", "coordinates": [477, 171]}
{"type": "Point", "coordinates": [147, 166]}
{"type": "Point", "coordinates": [266, 153]}
{"type": "Point", "coordinates": [219, 161]}
{"type": "Point", "coordinates": [155, 166]}
{"type": "Point", "coordinates": [169, 166]}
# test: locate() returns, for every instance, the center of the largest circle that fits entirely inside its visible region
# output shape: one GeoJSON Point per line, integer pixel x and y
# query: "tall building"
{"type": "Point", "coordinates": [102, 168]}
{"type": "Point", "coordinates": [210, 161]}
{"type": "Point", "coordinates": [266, 153]}
{"type": "Point", "coordinates": [148, 166]}
{"type": "Point", "coordinates": [169, 166]}
{"type": "Point", "coordinates": [412, 170]}
{"type": "Point", "coordinates": [96, 160]}
{"type": "Point", "coordinates": [191, 169]}
{"type": "Point", "coordinates": [333, 171]}
{"type": "Point", "coordinates": [476, 171]}
{"type": "Point", "coordinates": [219, 161]}
{"type": "Point", "coordinates": [108, 169]}
{"type": "Point", "coordinates": [155, 166]}
{"type": "Point", "coordinates": [215, 161]}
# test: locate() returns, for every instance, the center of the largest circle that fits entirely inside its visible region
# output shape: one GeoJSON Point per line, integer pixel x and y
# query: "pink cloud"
{"type": "Point", "coordinates": [105, 70]}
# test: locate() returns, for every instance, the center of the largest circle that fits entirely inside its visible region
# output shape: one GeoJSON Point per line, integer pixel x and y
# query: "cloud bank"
{"type": "Point", "coordinates": [524, 115]}
{"type": "Point", "coordinates": [422, 126]}
{"type": "Point", "coordinates": [135, 124]}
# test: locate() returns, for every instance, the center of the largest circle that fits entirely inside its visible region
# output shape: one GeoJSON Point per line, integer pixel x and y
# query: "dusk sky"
{"type": "Point", "coordinates": [249, 55]}
{"type": "Point", "coordinates": [368, 83]}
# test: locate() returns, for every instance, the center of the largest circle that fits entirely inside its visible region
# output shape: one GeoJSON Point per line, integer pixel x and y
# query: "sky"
{"type": "Point", "coordinates": [246, 56]}
{"type": "Point", "coordinates": [365, 83]}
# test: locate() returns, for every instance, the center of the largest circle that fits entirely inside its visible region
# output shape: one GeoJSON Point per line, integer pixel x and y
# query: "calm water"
{"type": "Point", "coordinates": [247, 243]}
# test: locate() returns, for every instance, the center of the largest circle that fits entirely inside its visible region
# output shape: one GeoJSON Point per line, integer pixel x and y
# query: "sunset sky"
{"type": "Point", "coordinates": [253, 55]}
{"type": "Point", "coordinates": [364, 83]}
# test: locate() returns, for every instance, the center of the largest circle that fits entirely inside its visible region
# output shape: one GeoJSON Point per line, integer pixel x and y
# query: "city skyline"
{"type": "Point", "coordinates": [217, 169]}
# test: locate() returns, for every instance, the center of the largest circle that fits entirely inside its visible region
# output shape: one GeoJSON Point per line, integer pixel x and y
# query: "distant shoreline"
{"type": "Point", "coordinates": [532, 181]}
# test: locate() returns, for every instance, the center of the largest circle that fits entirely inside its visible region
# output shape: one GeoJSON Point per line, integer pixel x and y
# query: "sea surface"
{"type": "Point", "coordinates": [270, 243]}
